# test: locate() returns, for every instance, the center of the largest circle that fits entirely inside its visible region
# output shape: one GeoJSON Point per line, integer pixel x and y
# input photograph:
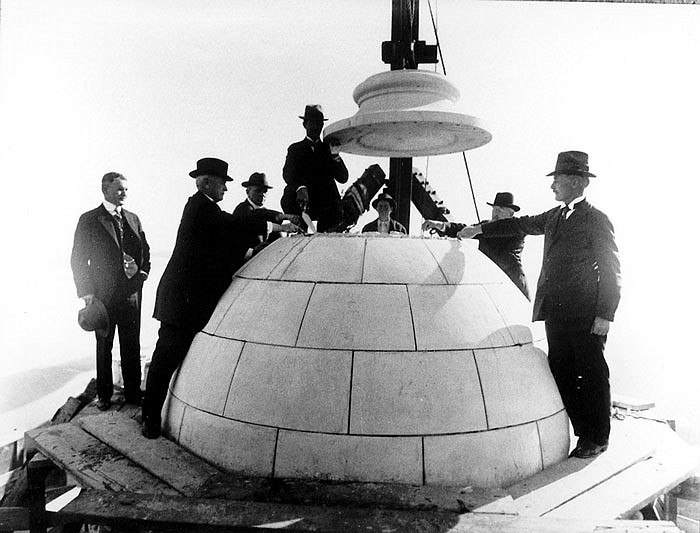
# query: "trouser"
{"type": "Point", "coordinates": [126, 317]}
{"type": "Point", "coordinates": [171, 349]}
{"type": "Point", "coordinates": [583, 378]}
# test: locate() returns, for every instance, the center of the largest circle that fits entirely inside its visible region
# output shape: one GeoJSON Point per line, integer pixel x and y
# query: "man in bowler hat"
{"type": "Point", "coordinates": [385, 205]}
{"type": "Point", "coordinates": [256, 187]}
{"type": "Point", "coordinates": [504, 250]}
{"type": "Point", "coordinates": [577, 295]}
{"type": "Point", "coordinates": [208, 250]}
{"type": "Point", "coordinates": [310, 171]}
{"type": "Point", "coordinates": [110, 261]}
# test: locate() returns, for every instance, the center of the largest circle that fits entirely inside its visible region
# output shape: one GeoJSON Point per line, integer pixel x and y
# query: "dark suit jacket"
{"type": "Point", "coordinates": [503, 250]}
{"type": "Point", "coordinates": [245, 211]}
{"type": "Point", "coordinates": [97, 261]}
{"type": "Point", "coordinates": [580, 276]}
{"type": "Point", "coordinates": [316, 169]}
{"type": "Point", "coordinates": [393, 226]}
{"type": "Point", "coordinates": [208, 250]}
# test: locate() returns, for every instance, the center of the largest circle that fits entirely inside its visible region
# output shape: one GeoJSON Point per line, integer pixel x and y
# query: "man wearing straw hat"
{"type": "Point", "coordinates": [577, 295]}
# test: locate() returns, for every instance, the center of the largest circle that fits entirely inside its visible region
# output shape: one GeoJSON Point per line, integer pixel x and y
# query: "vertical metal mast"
{"type": "Point", "coordinates": [404, 51]}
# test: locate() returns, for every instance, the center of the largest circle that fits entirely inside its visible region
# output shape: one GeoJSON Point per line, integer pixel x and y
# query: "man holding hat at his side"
{"type": "Point", "coordinates": [256, 188]}
{"type": "Point", "coordinates": [504, 250]}
{"type": "Point", "coordinates": [208, 250]}
{"type": "Point", "coordinates": [577, 295]}
{"type": "Point", "coordinates": [310, 171]}
{"type": "Point", "coordinates": [385, 205]}
{"type": "Point", "coordinates": [110, 262]}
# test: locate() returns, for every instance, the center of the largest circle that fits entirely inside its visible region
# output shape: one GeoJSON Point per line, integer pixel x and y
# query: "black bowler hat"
{"type": "Point", "coordinates": [313, 111]}
{"type": "Point", "coordinates": [212, 166]}
{"type": "Point", "coordinates": [257, 178]}
{"type": "Point", "coordinates": [504, 199]}
{"type": "Point", "coordinates": [384, 197]}
{"type": "Point", "coordinates": [572, 162]}
{"type": "Point", "coordinates": [93, 317]}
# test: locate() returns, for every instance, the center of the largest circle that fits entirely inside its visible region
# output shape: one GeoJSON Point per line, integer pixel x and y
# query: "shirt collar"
{"type": "Point", "coordinates": [572, 205]}
{"type": "Point", "coordinates": [111, 208]}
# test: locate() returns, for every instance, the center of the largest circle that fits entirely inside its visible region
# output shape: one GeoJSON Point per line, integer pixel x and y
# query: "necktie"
{"type": "Point", "coordinates": [120, 225]}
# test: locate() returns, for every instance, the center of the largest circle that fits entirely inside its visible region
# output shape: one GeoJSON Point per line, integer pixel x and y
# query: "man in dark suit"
{"type": "Point", "coordinates": [577, 295]}
{"type": "Point", "coordinates": [208, 250]}
{"type": "Point", "coordinates": [256, 188]}
{"type": "Point", "coordinates": [503, 250]}
{"type": "Point", "coordinates": [385, 205]}
{"type": "Point", "coordinates": [310, 171]}
{"type": "Point", "coordinates": [110, 261]}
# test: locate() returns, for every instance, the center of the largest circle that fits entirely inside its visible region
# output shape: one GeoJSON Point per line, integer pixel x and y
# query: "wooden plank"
{"type": "Point", "coordinates": [484, 523]}
{"type": "Point", "coordinates": [161, 457]}
{"type": "Point", "coordinates": [92, 463]}
{"type": "Point", "coordinates": [549, 489]}
{"type": "Point", "coordinates": [192, 514]}
{"type": "Point", "coordinates": [123, 509]}
{"type": "Point", "coordinates": [14, 519]}
{"type": "Point", "coordinates": [632, 404]}
{"type": "Point", "coordinates": [636, 487]}
{"type": "Point", "coordinates": [347, 493]}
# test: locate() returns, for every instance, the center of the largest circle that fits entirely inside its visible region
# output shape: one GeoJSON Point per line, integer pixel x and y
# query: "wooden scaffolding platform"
{"type": "Point", "coordinates": [124, 480]}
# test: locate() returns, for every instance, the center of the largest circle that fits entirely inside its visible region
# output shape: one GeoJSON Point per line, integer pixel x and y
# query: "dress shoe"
{"type": "Point", "coordinates": [103, 404]}
{"type": "Point", "coordinates": [150, 430]}
{"type": "Point", "coordinates": [588, 449]}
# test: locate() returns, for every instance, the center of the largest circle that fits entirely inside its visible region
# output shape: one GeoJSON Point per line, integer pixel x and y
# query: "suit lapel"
{"type": "Point", "coordinates": [130, 219]}
{"type": "Point", "coordinates": [105, 220]}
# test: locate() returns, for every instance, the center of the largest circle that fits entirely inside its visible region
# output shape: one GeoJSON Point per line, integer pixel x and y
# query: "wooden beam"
{"type": "Point", "coordinates": [14, 519]}
{"type": "Point", "coordinates": [124, 509]}
{"type": "Point", "coordinates": [621, 1]}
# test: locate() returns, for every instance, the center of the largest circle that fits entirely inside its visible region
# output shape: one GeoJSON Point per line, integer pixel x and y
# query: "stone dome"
{"type": "Point", "coordinates": [368, 357]}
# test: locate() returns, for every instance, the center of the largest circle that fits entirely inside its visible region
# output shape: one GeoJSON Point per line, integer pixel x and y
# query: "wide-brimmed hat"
{"type": "Point", "coordinates": [504, 199]}
{"type": "Point", "coordinates": [257, 179]}
{"type": "Point", "coordinates": [313, 111]}
{"type": "Point", "coordinates": [212, 167]}
{"type": "Point", "coordinates": [384, 197]}
{"type": "Point", "coordinates": [572, 162]}
{"type": "Point", "coordinates": [94, 317]}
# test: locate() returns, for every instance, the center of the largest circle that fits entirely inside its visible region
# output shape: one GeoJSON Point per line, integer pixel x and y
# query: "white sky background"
{"type": "Point", "coordinates": [147, 88]}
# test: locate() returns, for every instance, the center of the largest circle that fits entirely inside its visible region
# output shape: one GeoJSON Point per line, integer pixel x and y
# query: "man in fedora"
{"type": "Point", "coordinates": [256, 188]}
{"type": "Point", "coordinates": [577, 295]}
{"type": "Point", "coordinates": [208, 250]}
{"type": "Point", "coordinates": [385, 205]}
{"type": "Point", "coordinates": [504, 250]}
{"type": "Point", "coordinates": [310, 171]}
{"type": "Point", "coordinates": [110, 261]}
